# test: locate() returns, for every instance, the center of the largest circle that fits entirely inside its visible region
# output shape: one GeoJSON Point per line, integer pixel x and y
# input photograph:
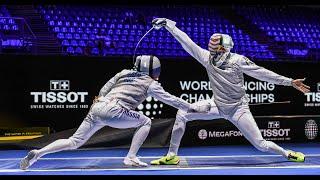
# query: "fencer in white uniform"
{"type": "Point", "coordinates": [225, 71]}
{"type": "Point", "coordinates": [115, 107]}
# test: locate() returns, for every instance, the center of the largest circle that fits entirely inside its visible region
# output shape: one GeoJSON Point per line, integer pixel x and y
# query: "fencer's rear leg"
{"type": "Point", "coordinates": [247, 125]}
{"type": "Point", "coordinates": [87, 128]}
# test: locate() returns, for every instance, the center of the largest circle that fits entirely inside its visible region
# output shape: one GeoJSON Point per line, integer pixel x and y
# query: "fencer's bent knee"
{"type": "Point", "coordinates": [76, 142]}
{"type": "Point", "coordinates": [180, 122]}
{"type": "Point", "coordinates": [147, 122]}
{"type": "Point", "coordinates": [181, 115]}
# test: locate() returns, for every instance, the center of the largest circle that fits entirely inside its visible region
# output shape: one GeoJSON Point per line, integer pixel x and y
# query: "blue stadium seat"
{"type": "Point", "coordinates": [82, 43]}
{"type": "Point", "coordinates": [70, 50]}
{"type": "Point", "coordinates": [95, 51]}
{"type": "Point", "coordinates": [79, 50]}
{"type": "Point", "coordinates": [71, 30]}
{"type": "Point", "coordinates": [68, 36]}
{"type": "Point", "coordinates": [65, 42]}
{"type": "Point", "coordinates": [56, 29]}
{"type": "Point", "coordinates": [64, 29]}
{"type": "Point", "coordinates": [74, 43]}
{"type": "Point", "coordinates": [14, 27]}
{"type": "Point", "coordinates": [76, 36]}
{"type": "Point", "coordinates": [79, 30]}
{"type": "Point", "coordinates": [90, 21]}
{"type": "Point", "coordinates": [51, 23]}
{"type": "Point", "coordinates": [85, 36]}
{"type": "Point", "coordinates": [60, 35]}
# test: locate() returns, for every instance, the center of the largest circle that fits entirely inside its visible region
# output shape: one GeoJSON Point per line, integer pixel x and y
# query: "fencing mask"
{"type": "Point", "coordinates": [219, 47]}
{"type": "Point", "coordinates": [149, 65]}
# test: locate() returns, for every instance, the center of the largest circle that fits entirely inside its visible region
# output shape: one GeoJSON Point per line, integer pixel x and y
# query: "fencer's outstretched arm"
{"type": "Point", "coordinates": [156, 90]}
{"type": "Point", "coordinates": [107, 87]}
{"type": "Point", "coordinates": [200, 54]}
{"type": "Point", "coordinates": [250, 68]}
{"type": "Point", "coordinates": [258, 72]}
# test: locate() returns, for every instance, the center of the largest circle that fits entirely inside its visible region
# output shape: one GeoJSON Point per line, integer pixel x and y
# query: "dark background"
{"type": "Point", "coordinates": [19, 75]}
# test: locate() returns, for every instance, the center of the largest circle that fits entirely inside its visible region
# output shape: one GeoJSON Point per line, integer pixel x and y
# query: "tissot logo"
{"type": "Point", "coordinates": [59, 96]}
{"type": "Point", "coordinates": [62, 85]}
{"type": "Point", "coordinates": [313, 98]}
{"type": "Point", "coordinates": [274, 124]}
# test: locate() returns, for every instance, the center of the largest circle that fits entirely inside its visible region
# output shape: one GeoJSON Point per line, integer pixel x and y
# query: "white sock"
{"type": "Point", "coordinates": [171, 154]}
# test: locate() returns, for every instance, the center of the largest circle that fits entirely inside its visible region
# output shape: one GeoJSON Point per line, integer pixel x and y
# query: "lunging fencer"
{"type": "Point", "coordinates": [115, 107]}
{"type": "Point", "coordinates": [225, 71]}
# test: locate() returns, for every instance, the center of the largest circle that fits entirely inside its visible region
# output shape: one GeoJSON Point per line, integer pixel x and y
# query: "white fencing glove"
{"type": "Point", "coordinates": [158, 23]}
{"type": "Point", "coordinates": [199, 108]}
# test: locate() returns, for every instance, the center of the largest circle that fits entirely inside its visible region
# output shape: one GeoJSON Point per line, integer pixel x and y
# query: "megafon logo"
{"type": "Point", "coordinates": [313, 98]}
{"type": "Point", "coordinates": [59, 93]}
{"type": "Point", "coordinates": [202, 134]}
